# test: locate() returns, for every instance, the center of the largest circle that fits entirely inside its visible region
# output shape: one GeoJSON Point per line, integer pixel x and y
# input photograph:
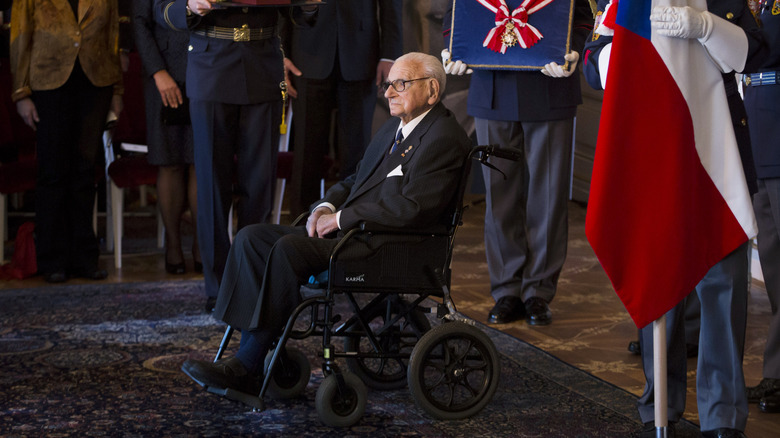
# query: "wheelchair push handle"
{"type": "Point", "coordinates": [486, 151]}
{"type": "Point", "coordinates": [482, 153]}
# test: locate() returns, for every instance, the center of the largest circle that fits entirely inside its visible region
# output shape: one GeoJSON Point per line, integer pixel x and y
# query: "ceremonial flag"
{"type": "Point", "coordinates": [668, 197]}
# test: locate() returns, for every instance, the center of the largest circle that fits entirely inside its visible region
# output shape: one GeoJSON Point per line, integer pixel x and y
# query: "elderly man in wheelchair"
{"type": "Point", "coordinates": [408, 183]}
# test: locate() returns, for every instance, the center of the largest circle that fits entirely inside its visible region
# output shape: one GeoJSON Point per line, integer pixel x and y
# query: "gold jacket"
{"type": "Point", "coordinates": [47, 40]}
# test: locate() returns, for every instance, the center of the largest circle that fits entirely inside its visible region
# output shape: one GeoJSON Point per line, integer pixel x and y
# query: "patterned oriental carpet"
{"type": "Point", "coordinates": [103, 360]}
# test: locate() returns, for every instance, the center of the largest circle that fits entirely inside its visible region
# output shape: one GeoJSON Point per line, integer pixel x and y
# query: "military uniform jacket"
{"type": "Point", "coordinates": [763, 102]}
{"type": "Point", "coordinates": [227, 71]}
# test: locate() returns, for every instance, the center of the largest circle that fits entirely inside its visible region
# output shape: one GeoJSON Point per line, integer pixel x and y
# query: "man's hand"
{"type": "Point", "coordinates": [289, 67]}
{"type": "Point", "coordinates": [454, 68]}
{"type": "Point", "coordinates": [311, 222]}
{"type": "Point", "coordinates": [681, 22]}
{"type": "Point", "coordinates": [169, 90]}
{"type": "Point", "coordinates": [26, 108]}
{"type": "Point", "coordinates": [327, 224]}
{"type": "Point", "coordinates": [554, 70]}
{"type": "Point", "coordinates": [382, 71]}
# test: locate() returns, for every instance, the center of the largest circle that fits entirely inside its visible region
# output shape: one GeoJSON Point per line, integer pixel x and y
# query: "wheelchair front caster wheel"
{"type": "Point", "coordinates": [341, 407]}
{"type": "Point", "coordinates": [291, 374]}
{"type": "Point", "coordinates": [453, 372]}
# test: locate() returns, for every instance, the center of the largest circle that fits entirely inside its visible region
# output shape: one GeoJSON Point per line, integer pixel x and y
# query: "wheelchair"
{"type": "Point", "coordinates": [452, 369]}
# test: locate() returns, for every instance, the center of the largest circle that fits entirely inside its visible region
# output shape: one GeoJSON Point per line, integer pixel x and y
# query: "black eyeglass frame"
{"type": "Point", "coordinates": [387, 84]}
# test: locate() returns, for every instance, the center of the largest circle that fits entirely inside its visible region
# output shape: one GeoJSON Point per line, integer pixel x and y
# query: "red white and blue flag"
{"type": "Point", "coordinates": [668, 197]}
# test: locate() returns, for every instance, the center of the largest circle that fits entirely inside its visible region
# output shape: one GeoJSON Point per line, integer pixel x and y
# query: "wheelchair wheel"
{"type": "Point", "coordinates": [453, 371]}
{"type": "Point", "coordinates": [385, 373]}
{"type": "Point", "coordinates": [338, 408]}
{"type": "Point", "coordinates": [291, 374]}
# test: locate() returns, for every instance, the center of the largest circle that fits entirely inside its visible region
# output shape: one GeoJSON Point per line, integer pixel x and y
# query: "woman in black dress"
{"type": "Point", "coordinates": [169, 133]}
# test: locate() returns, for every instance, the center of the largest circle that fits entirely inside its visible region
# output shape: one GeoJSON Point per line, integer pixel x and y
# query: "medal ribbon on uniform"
{"type": "Point", "coordinates": [512, 28]}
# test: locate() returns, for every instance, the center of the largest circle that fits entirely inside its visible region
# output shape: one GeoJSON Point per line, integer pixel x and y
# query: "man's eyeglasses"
{"type": "Point", "coordinates": [399, 85]}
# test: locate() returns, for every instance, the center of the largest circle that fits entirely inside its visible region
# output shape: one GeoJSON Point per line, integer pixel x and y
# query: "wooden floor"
{"type": "Point", "coordinates": [590, 328]}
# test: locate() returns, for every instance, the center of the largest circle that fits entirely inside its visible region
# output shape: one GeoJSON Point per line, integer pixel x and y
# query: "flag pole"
{"type": "Point", "coordinates": [659, 377]}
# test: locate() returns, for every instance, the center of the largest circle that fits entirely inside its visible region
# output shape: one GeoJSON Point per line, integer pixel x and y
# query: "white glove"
{"type": "Point", "coordinates": [557, 71]}
{"type": "Point", "coordinates": [681, 22]}
{"type": "Point", "coordinates": [454, 68]}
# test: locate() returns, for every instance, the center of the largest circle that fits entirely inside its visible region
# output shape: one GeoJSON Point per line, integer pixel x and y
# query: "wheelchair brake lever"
{"type": "Point", "coordinates": [484, 162]}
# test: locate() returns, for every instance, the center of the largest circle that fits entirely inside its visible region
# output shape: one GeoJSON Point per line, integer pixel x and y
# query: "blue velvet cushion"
{"type": "Point", "coordinates": [542, 26]}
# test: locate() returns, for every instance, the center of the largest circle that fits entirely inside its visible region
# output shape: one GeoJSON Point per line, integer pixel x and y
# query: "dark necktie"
{"type": "Point", "coordinates": [399, 137]}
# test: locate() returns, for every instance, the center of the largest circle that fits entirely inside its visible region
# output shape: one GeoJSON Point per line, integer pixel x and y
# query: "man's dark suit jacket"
{"type": "Point", "coordinates": [362, 31]}
{"type": "Point", "coordinates": [414, 189]}
{"type": "Point", "coordinates": [429, 161]}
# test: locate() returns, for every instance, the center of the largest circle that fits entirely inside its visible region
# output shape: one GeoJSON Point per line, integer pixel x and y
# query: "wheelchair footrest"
{"type": "Point", "coordinates": [247, 399]}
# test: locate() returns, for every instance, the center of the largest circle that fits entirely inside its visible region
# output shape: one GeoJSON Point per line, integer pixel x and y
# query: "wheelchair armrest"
{"type": "Point", "coordinates": [371, 227]}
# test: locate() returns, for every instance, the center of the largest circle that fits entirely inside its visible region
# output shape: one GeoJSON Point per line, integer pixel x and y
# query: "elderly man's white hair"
{"type": "Point", "coordinates": [430, 66]}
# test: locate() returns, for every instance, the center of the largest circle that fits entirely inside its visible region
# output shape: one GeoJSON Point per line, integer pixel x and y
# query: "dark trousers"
{"type": "Point", "coordinates": [720, 384]}
{"type": "Point", "coordinates": [317, 98]}
{"type": "Point", "coordinates": [69, 141]}
{"type": "Point", "coordinates": [265, 269]}
{"type": "Point", "coordinates": [235, 155]}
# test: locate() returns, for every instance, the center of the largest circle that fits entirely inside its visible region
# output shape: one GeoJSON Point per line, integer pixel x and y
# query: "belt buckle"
{"type": "Point", "coordinates": [241, 33]}
{"type": "Point", "coordinates": [748, 80]}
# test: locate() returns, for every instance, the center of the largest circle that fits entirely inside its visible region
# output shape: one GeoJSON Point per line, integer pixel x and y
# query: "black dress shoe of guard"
{"type": "Point", "coordinates": [770, 404]}
{"type": "Point", "coordinates": [723, 432]}
{"type": "Point", "coordinates": [210, 303]}
{"type": "Point", "coordinates": [764, 388]}
{"type": "Point", "coordinates": [648, 430]}
{"type": "Point", "coordinates": [222, 374]}
{"type": "Point", "coordinates": [507, 309]}
{"type": "Point", "coordinates": [537, 312]}
{"type": "Point", "coordinates": [56, 276]}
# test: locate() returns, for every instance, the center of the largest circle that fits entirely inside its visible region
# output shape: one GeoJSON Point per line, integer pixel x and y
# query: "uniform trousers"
{"type": "Point", "coordinates": [766, 204]}
{"type": "Point", "coordinates": [720, 384]}
{"type": "Point", "coordinates": [526, 222]}
{"type": "Point", "coordinates": [236, 148]}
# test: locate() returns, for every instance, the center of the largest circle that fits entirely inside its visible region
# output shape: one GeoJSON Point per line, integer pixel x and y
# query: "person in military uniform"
{"type": "Point", "coordinates": [720, 384]}
{"type": "Point", "coordinates": [234, 76]}
{"type": "Point", "coordinates": [762, 101]}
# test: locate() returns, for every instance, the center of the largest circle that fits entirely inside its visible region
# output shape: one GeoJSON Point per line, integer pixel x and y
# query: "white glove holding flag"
{"type": "Point", "coordinates": [554, 70]}
{"type": "Point", "coordinates": [681, 22]}
{"type": "Point", "coordinates": [454, 68]}
{"type": "Point", "coordinates": [725, 43]}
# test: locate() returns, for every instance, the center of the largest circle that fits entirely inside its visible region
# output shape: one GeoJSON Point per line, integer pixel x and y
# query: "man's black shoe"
{"type": "Point", "coordinates": [770, 404]}
{"type": "Point", "coordinates": [210, 303]}
{"type": "Point", "coordinates": [648, 430]}
{"type": "Point", "coordinates": [723, 432]}
{"type": "Point", "coordinates": [507, 309]}
{"type": "Point", "coordinates": [227, 373]}
{"type": "Point", "coordinates": [537, 312]}
{"type": "Point", "coordinates": [55, 277]}
{"type": "Point", "coordinates": [765, 388]}
{"type": "Point", "coordinates": [89, 273]}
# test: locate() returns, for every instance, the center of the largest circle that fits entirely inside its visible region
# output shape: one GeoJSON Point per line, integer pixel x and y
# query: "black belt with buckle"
{"type": "Point", "coordinates": [759, 79]}
{"type": "Point", "coordinates": [243, 33]}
